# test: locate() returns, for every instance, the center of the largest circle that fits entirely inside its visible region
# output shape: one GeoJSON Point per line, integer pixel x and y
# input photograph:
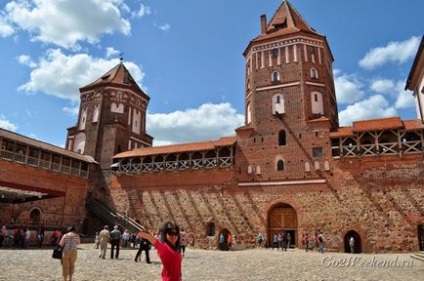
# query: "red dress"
{"type": "Point", "coordinates": [171, 262]}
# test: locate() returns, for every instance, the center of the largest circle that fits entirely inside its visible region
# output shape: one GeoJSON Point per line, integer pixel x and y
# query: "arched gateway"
{"type": "Point", "coordinates": [282, 217]}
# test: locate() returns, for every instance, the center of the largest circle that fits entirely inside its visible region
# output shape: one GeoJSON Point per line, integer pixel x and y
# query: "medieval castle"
{"type": "Point", "coordinates": [291, 167]}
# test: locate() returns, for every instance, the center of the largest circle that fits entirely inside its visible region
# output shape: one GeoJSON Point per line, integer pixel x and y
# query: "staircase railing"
{"type": "Point", "coordinates": [111, 217]}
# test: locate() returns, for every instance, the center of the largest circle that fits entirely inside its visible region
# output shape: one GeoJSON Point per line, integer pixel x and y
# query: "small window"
{"type": "Point", "coordinates": [317, 152]}
{"type": "Point", "coordinates": [280, 165]}
{"type": "Point", "coordinates": [282, 138]}
{"type": "Point", "coordinates": [275, 76]}
{"type": "Point", "coordinates": [314, 73]}
{"type": "Point", "coordinates": [274, 53]}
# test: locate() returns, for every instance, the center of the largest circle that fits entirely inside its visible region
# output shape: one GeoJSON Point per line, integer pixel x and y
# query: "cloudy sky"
{"type": "Point", "coordinates": [187, 56]}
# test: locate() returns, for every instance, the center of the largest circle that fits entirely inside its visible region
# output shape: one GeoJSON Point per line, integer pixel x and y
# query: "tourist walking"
{"type": "Point", "coordinates": [275, 242]}
{"type": "Point", "coordinates": [183, 241]}
{"type": "Point", "coordinates": [144, 246]}
{"type": "Point", "coordinates": [288, 237]}
{"type": "Point", "coordinates": [320, 242]}
{"type": "Point", "coordinates": [96, 241]}
{"type": "Point", "coordinates": [260, 239]}
{"type": "Point", "coordinates": [168, 251]}
{"type": "Point", "coordinates": [306, 241]}
{"type": "Point", "coordinates": [69, 243]}
{"type": "Point", "coordinates": [104, 238]}
{"type": "Point", "coordinates": [3, 235]}
{"type": "Point", "coordinates": [125, 238]}
{"type": "Point", "coordinates": [115, 241]}
{"type": "Point", "coordinates": [41, 235]}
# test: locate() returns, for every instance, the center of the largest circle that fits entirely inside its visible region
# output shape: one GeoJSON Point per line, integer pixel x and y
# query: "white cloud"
{"type": "Point", "coordinates": [65, 23]}
{"type": "Point", "coordinates": [393, 52]}
{"type": "Point", "coordinates": [374, 107]}
{"type": "Point", "coordinates": [142, 11]}
{"type": "Point", "coordinates": [51, 78]}
{"type": "Point", "coordinates": [348, 88]}
{"type": "Point", "coordinates": [72, 110]}
{"type": "Point", "coordinates": [405, 99]}
{"type": "Point", "coordinates": [165, 27]}
{"type": "Point", "coordinates": [6, 124]}
{"type": "Point", "coordinates": [205, 123]}
{"type": "Point", "coordinates": [382, 86]}
{"type": "Point", "coordinates": [110, 52]}
{"type": "Point", "coordinates": [26, 60]}
{"type": "Point", "coordinates": [6, 29]}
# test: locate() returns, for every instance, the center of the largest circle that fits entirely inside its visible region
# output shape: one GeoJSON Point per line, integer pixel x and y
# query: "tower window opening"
{"type": "Point", "coordinates": [275, 76]}
{"type": "Point", "coordinates": [282, 138]}
{"type": "Point", "coordinates": [280, 165]}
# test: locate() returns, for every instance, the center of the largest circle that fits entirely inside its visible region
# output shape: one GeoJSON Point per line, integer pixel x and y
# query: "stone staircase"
{"type": "Point", "coordinates": [110, 217]}
{"type": "Point", "coordinates": [418, 256]}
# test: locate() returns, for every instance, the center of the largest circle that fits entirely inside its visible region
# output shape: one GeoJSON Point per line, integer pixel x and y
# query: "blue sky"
{"type": "Point", "coordinates": [187, 56]}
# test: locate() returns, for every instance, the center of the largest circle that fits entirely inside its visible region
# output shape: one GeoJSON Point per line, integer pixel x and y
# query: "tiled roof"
{"type": "Point", "coordinates": [377, 125]}
{"type": "Point", "coordinates": [178, 148]}
{"type": "Point", "coordinates": [117, 75]}
{"type": "Point", "coordinates": [45, 146]}
{"type": "Point", "coordinates": [412, 125]}
{"type": "Point", "coordinates": [242, 128]}
{"type": "Point", "coordinates": [286, 20]}
{"type": "Point", "coordinates": [342, 132]}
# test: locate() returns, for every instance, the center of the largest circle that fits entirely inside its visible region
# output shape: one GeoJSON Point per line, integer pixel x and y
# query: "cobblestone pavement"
{"type": "Point", "coordinates": [201, 265]}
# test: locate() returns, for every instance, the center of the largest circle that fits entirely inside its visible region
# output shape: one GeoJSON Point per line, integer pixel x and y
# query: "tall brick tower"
{"type": "Point", "coordinates": [290, 102]}
{"type": "Point", "coordinates": [112, 117]}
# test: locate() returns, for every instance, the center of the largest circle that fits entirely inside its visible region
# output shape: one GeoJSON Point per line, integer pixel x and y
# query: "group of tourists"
{"type": "Point", "coordinates": [284, 240]}
{"type": "Point", "coordinates": [18, 236]}
{"type": "Point", "coordinates": [310, 243]}
{"type": "Point", "coordinates": [281, 240]}
{"type": "Point", "coordinates": [169, 242]}
{"type": "Point", "coordinates": [226, 242]}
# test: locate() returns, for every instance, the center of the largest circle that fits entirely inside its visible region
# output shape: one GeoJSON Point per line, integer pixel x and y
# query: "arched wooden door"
{"type": "Point", "coordinates": [282, 217]}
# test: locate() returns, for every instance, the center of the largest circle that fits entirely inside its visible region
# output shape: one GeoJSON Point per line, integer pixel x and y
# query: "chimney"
{"type": "Point", "coordinates": [263, 24]}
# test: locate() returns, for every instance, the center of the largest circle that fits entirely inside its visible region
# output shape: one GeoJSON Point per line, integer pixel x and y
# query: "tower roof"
{"type": "Point", "coordinates": [287, 17]}
{"type": "Point", "coordinates": [285, 21]}
{"type": "Point", "coordinates": [118, 76]}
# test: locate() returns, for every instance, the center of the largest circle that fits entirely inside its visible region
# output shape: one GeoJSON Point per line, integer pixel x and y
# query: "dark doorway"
{"type": "Point", "coordinates": [357, 246]}
{"type": "Point", "coordinates": [35, 217]}
{"type": "Point", "coordinates": [421, 237]}
{"type": "Point", "coordinates": [223, 246]}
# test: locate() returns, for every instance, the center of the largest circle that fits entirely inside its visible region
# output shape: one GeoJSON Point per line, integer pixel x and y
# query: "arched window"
{"type": "Point", "coordinates": [275, 76]}
{"type": "Point", "coordinates": [83, 119]}
{"type": "Point", "coordinates": [248, 114]}
{"type": "Point", "coordinates": [314, 73]}
{"type": "Point", "coordinates": [35, 216]}
{"type": "Point", "coordinates": [96, 113]}
{"type": "Point", "coordinates": [280, 165]}
{"type": "Point", "coordinates": [282, 137]}
{"type": "Point", "coordinates": [278, 104]}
